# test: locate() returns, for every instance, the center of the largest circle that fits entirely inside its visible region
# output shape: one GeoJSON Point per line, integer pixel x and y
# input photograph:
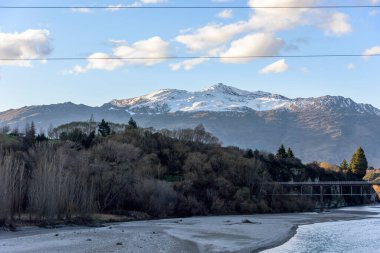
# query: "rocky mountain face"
{"type": "Point", "coordinates": [326, 128]}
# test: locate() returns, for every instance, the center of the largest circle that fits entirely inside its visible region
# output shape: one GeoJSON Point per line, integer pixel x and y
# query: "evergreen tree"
{"type": "Point", "coordinates": [359, 164]}
{"type": "Point", "coordinates": [41, 137]}
{"type": "Point", "coordinates": [249, 154]}
{"type": "Point", "coordinates": [104, 128]}
{"type": "Point", "coordinates": [132, 124]}
{"type": "Point", "coordinates": [344, 166]}
{"type": "Point", "coordinates": [290, 153]}
{"type": "Point", "coordinates": [281, 152]}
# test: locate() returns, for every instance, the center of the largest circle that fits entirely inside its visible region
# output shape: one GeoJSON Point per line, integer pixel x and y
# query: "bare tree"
{"type": "Point", "coordinates": [12, 185]}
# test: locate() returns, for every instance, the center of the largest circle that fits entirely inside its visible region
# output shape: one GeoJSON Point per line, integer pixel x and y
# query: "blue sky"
{"type": "Point", "coordinates": [36, 33]}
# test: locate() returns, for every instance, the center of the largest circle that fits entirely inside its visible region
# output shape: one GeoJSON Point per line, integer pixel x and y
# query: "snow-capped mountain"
{"type": "Point", "coordinates": [327, 128]}
{"type": "Point", "coordinates": [217, 98]}
{"type": "Point", "coordinates": [223, 98]}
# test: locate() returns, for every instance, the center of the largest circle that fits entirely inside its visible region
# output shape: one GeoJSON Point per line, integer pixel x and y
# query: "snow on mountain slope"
{"type": "Point", "coordinates": [221, 98]}
{"type": "Point", "coordinates": [215, 98]}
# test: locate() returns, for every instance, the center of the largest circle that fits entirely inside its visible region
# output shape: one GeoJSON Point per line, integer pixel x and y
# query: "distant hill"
{"type": "Point", "coordinates": [327, 128]}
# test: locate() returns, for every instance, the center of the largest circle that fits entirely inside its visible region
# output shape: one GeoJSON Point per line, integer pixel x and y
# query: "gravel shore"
{"type": "Point", "coordinates": [249, 233]}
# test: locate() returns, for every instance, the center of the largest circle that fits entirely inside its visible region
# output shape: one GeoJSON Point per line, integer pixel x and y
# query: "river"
{"type": "Point", "coordinates": [340, 236]}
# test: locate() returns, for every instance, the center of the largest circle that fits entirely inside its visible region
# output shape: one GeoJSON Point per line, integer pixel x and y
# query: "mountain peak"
{"type": "Point", "coordinates": [223, 98]}
{"type": "Point", "coordinates": [225, 89]}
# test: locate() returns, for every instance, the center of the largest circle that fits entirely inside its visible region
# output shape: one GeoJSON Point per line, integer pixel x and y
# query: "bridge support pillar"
{"type": "Point", "coordinates": [321, 195]}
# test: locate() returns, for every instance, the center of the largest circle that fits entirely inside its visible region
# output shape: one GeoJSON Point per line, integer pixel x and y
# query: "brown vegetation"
{"type": "Point", "coordinates": [159, 173]}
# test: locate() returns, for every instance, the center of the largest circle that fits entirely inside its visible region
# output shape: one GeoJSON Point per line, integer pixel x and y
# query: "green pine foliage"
{"type": "Point", "coordinates": [132, 124]}
{"type": "Point", "coordinates": [104, 128]}
{"type": "Point", "coordinates": [290, 153]}
{"type": "Point", "coordinates": [281, 152]}
{"type": "Point", "coordinates": [359, 164]}
{"type": "Point", "coordinates": [344, 166]}
{"type": "Point", "coordinates": [41, 138]}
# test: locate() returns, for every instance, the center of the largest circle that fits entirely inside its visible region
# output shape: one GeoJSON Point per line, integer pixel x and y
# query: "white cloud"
{"type": "Point", "coordinates": [272, 20]}
{"type": "Point", "coordinates": [81, 10]}
{"type": "Point", "coordinates": [374, 1]}
{"type": "Point", "coordinates": [211, 36]}
{"type": "Point", "coordinates": [30, 44]}
{"type": "Point", "coordinates": [278, 19]}
{"type": "Point", "coordinates": [145, 52]}
{"type": "Point", "coordinates": [350, 66]}
{"type": "Point", "coordinates": [336, 24]}
{"type": "Point", "coordinates": [371, 51]}
{"type": "Point", "coordinates": [276, 67]}
{"type": "Point", "coordinates": [77, 69]}
{"type": "Point", "coordinates": [214, 37]}
{"type": "Point", "coordinates": [107, 64]}
{"type": "Point", "coordinates": [251, 45]}
{"type": "Point", "coordinates": [154, 47]}
{"type": "Point", "coordinates": [114, 7]}
{"type": "Point", "coordinates": [138, 3]}
{"type": "Point", "coordinates": [225, 14]}
{"type": "Point", "coordinates": [188, 64]}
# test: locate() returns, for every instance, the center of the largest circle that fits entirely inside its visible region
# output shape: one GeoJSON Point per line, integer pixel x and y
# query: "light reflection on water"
{"type": "Point", "coordinates": [335, 237]}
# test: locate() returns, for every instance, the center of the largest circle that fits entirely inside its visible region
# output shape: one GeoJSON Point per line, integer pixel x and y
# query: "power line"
{"type": "Point", "coordinates": [190, 57]}
{"type": "Point", "coordinates": [195, 7]}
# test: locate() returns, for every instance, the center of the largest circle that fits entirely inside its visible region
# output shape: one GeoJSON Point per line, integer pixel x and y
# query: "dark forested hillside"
{"type": "Point", "coordinates": [87, 168]}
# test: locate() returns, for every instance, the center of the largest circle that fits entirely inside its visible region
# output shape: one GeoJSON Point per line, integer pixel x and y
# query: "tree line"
{"type": "Point", "coordinates": [83, 168]}
{"type": "Point", "coordinates": [355, 170]}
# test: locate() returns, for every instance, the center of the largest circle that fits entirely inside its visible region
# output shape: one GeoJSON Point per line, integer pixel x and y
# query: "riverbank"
{"type": "Point", "coordinates": [248, 233]}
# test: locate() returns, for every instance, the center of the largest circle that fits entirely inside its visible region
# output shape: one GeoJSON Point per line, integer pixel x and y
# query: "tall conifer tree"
{"type": "Point", "coordinates": [281, 152]}
{"type": "Point", "coordinates": [359, 164]}
{"type": "Point", "coordinates": [344, 166]}
{"type": "Point", "coordinates": [104, 128]}
{"type": "Point", "coordinates": [290, 153]}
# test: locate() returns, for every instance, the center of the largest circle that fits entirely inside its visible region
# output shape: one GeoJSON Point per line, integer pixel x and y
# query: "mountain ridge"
{"type": "Point", "coordinates": [221, 98]}
{"type": "Point", "coordinates": [327, 128]}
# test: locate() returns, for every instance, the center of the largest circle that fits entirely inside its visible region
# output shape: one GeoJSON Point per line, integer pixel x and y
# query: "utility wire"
{"type": "Point", "coordinates": [190, 57]}
{"type": "Point", "coordinates": [195, 7]}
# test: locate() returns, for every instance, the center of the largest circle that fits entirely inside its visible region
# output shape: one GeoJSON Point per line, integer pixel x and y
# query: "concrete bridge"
{"type": "Point", "coordinates": [326, 188]}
